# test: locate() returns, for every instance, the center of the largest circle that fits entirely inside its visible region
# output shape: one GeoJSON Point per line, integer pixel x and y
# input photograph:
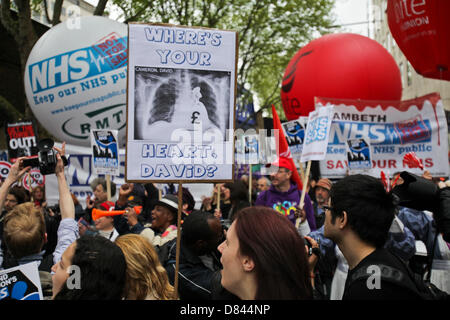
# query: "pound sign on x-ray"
{"type": "Point", "coordinates": [194, 117]}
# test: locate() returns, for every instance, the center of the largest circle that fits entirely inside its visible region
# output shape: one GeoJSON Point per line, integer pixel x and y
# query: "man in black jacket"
{"type": "Point", "coordinates": [199, 266]}
{"type": "Point", "coordinates": [358, 219]}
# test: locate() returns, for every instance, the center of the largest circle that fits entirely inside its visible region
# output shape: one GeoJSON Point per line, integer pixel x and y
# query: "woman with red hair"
{"type": "Point", "coordinates": [264, 257]}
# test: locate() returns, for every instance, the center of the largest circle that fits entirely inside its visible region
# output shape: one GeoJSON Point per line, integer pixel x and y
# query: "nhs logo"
{"type": "Point", "coordinates": [79, 64]}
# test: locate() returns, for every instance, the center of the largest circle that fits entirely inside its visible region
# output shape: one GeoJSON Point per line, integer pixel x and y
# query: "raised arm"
{"type": "Point", "coordinates": [68, 230]}
{"type": "Point", "coordinates": [14, 175]}
{"type": "Point", "coordinates": [65, 199]}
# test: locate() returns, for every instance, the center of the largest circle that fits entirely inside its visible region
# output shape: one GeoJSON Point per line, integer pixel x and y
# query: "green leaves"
{"type": "Point", "coordinates": [270, 32]}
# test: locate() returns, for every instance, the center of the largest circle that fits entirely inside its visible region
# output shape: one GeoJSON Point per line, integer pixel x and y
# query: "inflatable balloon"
{"type": "Point", "coordinates": [421, 30]}
{"type": "Point", "coordinates": [75, 79]}
{"type": "Point", "coordinates": [343, 66]}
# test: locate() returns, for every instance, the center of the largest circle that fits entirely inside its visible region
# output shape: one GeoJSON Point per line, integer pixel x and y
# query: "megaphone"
{"type": "Point", "coordinates": [97, 213]}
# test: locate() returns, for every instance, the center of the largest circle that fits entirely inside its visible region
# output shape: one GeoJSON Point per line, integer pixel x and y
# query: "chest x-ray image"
{"type": "Point", "coordinates": [168, 99]}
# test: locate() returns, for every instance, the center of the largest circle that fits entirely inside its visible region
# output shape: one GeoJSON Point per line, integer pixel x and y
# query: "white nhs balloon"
{"type": "Point", "coordinates": [75, 79]}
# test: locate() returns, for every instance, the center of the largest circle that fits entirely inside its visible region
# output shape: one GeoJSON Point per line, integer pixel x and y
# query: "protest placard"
{"type": "Point", "coordinates": [359, 154]}
{"type": "Point", "coordinates": [393, 128]}
{"type": "Point", "coordinates": [22, 140]}
{"type": "Point", "coordinates": [21, 283]}
{"type": "Point", "coordinates": [317, 133]}
{"type": "Point", "coordinates": [181, 103]}
{"type": "Point", "coordinates": [105, 152]}
{"type": "Point", "coordinates": [295, 135]}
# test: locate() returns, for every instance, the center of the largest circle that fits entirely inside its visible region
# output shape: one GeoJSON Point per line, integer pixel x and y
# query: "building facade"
{"type": "Point", "coordinates": [414, 85]}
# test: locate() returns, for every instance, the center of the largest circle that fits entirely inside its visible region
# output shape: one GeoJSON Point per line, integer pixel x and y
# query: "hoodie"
{"type": "Point", "coordinates": [285, 203]}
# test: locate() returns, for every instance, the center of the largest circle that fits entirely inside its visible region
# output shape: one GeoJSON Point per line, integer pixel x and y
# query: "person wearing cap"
{"type": "Point", "coordinates": [284, 195]}
{"type": "Point", "coordinates": [164, 221]}
{"type": "Point", "coordinates": [322, 194]}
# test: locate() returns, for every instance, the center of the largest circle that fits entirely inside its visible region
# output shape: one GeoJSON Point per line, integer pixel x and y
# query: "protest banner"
{"type": "Point", "coordinates": [180, 106]}
{"type": "Point", "coordinates": [317, 134]}
{"type": "Point", "coordinates": [180, 103]}
{"type": "Point", "coordinates": [33, 179]}
{"type": "Point", "coordinates": [21, 138]}
{"type": "Point", "coordinates": [393, 128]}
{"type": "Point", "coordinates": [21, 283]}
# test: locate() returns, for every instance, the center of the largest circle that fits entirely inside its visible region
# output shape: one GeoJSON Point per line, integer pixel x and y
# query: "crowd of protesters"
{"type": "Point", "coordinates": [232, 246]}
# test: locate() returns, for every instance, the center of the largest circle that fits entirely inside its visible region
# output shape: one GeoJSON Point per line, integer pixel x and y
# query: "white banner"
{"type": "Point", "coordinates": [317, 132]}
{"type": "Point", "coordinates": [393, 129]}
{"type": "Point", "coordinates": [181, 102]}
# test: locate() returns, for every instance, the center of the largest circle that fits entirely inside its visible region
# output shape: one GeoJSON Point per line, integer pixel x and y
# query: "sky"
{"type": "Point", "coordinates": [352, 11]}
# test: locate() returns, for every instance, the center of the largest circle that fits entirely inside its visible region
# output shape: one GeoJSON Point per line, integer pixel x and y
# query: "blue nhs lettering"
{"type": "Point", "coordinates": [317, 130]}
{"type": "Point", "coordinates": [382, 134]}
{"type": "Point", "coordinates": [67, 67]}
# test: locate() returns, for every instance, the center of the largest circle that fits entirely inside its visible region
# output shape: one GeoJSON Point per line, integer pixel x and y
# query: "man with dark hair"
{"type": "Point", "coordinates": [199, 269]}
{"type": "Point", "coordinates": [358, 220]}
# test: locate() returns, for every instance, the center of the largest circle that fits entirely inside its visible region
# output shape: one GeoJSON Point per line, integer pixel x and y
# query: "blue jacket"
{"type": "Point", "coordinates": [421, 226]}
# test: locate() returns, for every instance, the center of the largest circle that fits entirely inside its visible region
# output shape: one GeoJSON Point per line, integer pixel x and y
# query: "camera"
{"type": "Point", "coordinates": [56, 209]}
{"type": "Point", "coordinates": [311, 250]}
{"type": "Point", "coordinates": [46, 158]}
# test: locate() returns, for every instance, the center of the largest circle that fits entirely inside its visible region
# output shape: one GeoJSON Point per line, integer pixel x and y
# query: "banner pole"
{"type": "Point", "coordinates": [302, 198]}
{"type": "Point", "coordinates": [177, 254]}
{"type": "Point", "coordinates": [302, 172]}
{"type": "Point", "coordinates": [250, 185]}
{"type": "Point", "coordinates": [108, 186]}
{"type": "Point", "coordinates": [219, 186]}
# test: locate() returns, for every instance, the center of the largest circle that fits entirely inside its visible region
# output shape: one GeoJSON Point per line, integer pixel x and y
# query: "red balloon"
{"type": "Point", "coordinates": [421, 29]}
{"type": "Point", "coordinates": [343, 66]}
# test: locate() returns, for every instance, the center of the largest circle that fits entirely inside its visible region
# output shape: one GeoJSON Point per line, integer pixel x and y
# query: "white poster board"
{"type": "Point", "coordinates": [317, 133]}
{"type": "Point", "coordinates": [180, 103]}
{"type": "Point", "coordinates": [21, 283]}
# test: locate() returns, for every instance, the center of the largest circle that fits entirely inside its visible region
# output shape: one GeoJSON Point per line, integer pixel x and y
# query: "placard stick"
{"type": "Point", "coordinates": [302, 198]}
{"type": "Point", "coordinates": [302, 172]}
{"type": "Point", "coordinates": [219, 187]}
{"type": "Point", "coordinates": [30, 186]}
{"type": "Point", "coordinates": [250, 184]}
{"type": "Point", "coordinates": [108, 186]}
{"type": "Point", "coordinates": [177, 254]}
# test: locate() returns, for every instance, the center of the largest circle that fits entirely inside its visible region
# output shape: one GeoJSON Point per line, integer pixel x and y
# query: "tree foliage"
{"type": "Point", "coordinates": [270, 32]}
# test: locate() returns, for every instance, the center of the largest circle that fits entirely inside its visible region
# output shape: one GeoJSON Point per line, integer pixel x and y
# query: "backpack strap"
{"type": "Point", "coordinates": [390, 274]}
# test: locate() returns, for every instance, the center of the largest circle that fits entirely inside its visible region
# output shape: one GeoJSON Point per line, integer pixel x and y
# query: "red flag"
{"type": "Point", "coordinates": [284, 148]}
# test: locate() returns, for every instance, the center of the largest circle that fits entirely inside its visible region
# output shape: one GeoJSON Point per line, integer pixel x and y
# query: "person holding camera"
{"type": "Point", "coordinates": [358, 219]}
